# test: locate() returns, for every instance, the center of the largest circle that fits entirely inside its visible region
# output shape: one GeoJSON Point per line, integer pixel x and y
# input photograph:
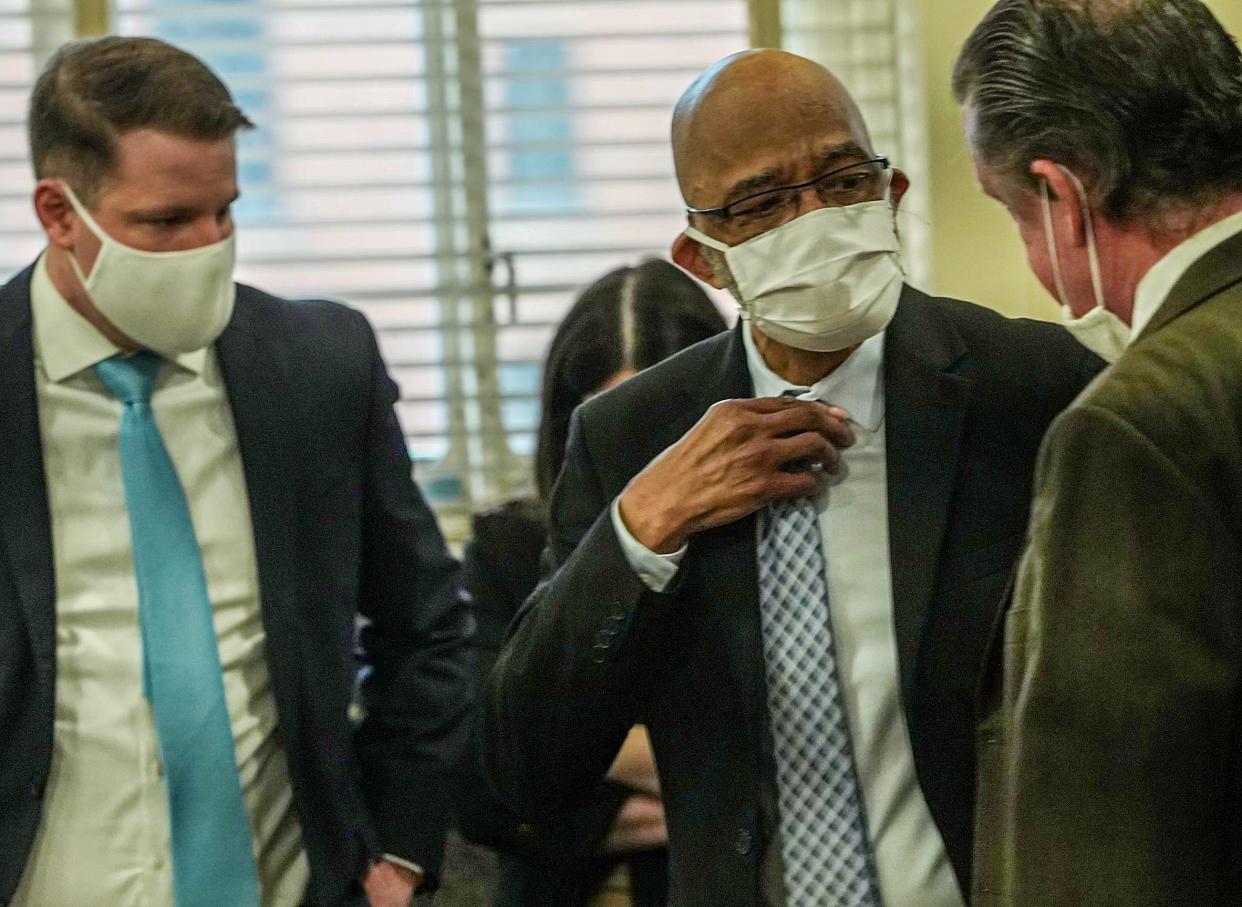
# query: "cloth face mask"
{"type": "Point", "coordinates": [825, 281]}
{"type": "Point", "coordinates": [167, 302]}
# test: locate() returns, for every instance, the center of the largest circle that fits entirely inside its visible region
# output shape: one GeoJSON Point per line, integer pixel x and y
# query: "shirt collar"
{"type": "Point", "coordinates": [1158, 282]}
{"type": "Point", "coordinates": [855, 385]}
{"type": "Point", "coordinates": [66, 343]}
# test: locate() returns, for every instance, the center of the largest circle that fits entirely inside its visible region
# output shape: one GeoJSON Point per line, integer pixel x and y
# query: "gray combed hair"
{"type": "Point", "coordinates": [1141, 98]}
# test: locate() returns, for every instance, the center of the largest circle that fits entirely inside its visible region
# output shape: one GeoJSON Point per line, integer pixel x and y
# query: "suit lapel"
{"type": "Point", "coordinates": [925, 406]}
{"type": "Point", "coordinates": [725, 556]}
{"type": "Point", "coordinates": [25, 521]}
{"type": "Point", "coordinates": [1218, 269]}
{"type": "Point", "coordinates": [257, 383]}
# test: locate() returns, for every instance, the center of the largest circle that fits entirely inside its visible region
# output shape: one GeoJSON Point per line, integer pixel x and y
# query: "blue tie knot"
{"type": "Point", "coordinates": [131, 379]}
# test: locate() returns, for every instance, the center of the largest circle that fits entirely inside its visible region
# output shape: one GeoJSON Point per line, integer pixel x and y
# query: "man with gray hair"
{"type": "Point", "coordinates": [1111, 742]}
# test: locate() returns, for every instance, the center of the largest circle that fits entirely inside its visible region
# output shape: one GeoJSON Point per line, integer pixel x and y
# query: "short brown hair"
{"type": "Point", "coordinates": [91, 92]}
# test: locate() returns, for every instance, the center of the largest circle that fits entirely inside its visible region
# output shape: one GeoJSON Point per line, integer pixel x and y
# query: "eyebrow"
{"type": "Point", "coordinates": [837, 154]}
{"type": "Point", "coordinates": [843, 154]}
{"type": "Point", "coordinates": [753, 184]}
{"type": "Point", "coordinates": [146, 214]}
{"type": "Point", "coordinates": [173, 211]}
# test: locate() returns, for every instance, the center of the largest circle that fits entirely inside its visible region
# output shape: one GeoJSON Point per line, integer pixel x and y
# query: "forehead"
{"type": "Point", "coordinates": [156, 165]}
{"type": "Point", "coordinates": [984, 175]}
{"type": "Point", "coordinates": [786, 141]}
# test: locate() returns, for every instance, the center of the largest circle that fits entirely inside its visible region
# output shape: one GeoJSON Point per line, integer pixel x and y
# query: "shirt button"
{"type": "Point", "coordinates": [743, 842]}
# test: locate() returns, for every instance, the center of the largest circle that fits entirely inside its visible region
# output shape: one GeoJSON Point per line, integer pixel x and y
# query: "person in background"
{"type": "Point", "coordinates": [781, 550]}
{"type": "Point", "coordinates": [607, 847]}
{"type": "Point", "coordinates": [1111, 739]}
{"type": "Point", "coordinates": [201, 486]}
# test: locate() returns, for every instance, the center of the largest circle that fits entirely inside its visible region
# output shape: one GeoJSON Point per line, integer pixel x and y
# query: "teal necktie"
{"type": "Point", "coordinates": [212, 859]}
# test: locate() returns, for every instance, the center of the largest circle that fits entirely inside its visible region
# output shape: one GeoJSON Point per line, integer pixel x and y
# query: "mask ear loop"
{"type": "Point", "coordinates": [104, 239]}
{"type": "Point", "coordinates": [886, 196]}
{"type": "Point", "coordinates": [1093, 260]}
{"type": "Point", "coordinates": [1051, 238]}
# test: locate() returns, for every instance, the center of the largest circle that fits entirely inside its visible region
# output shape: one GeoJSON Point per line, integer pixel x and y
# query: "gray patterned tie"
{"type": "Point", "coordinates": [823, 828]}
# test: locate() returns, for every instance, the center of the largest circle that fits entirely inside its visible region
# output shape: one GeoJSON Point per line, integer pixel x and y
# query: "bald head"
{"type": "Point", "coordinates": [752, 108]}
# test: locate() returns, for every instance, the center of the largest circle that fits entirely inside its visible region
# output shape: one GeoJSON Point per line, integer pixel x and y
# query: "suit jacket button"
{"type": "Point", "coordinates": [743, 842]}
{"type": "Point", "coordinates": [37, 789]}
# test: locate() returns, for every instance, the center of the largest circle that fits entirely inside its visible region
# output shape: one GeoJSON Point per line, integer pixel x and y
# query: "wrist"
{"type": "Point", "coordinates": [394, 867]}
{"type": "Point", "coordinates": [658, 529]}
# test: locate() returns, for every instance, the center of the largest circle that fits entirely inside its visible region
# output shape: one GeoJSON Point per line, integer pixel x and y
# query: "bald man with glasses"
{"type": "Point", "coordinates": [782, 549]}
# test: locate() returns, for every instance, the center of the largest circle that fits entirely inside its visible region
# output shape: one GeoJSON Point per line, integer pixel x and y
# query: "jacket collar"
{"type": "Point", "coordinates": [1219, 269]}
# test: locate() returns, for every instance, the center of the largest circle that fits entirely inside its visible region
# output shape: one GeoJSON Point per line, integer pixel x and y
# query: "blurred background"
{"type": "Point", "coordinates": [458, 168]}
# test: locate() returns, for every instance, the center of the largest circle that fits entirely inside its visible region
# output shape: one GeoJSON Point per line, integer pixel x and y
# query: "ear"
{"type": "Point", "coordinates": [55, 213]}
{"type": "Point", "coordinates": [1064, 198]}
{"type": "Point", "coordinates": [897, 187]}
{"type": "Point", "coordinates": [689, 254]}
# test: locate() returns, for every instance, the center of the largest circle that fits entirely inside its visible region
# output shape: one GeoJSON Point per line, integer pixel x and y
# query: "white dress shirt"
{"type": "Point", "coordinates": [104, 838]}
{"type": "Point", "coordinates": [1158, 282]}
{"type": "Point", "coordinates": [911, 860]}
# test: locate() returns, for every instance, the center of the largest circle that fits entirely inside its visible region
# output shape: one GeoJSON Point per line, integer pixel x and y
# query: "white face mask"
{"type": "Point", "coordinates": [167, 302]}
{"type": "Point", "coordinates": [825, 281]}
{"type": "Point", "coordinates": [1099, 330]}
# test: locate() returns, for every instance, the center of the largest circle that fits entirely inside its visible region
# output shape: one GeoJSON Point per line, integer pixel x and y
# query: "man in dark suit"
{"type": "Point", "coordinates": [791, 593]}
{"type": "Point", "coordinates": [1111, 740]}
{"type": "Point", "coordinates": [201, 486]}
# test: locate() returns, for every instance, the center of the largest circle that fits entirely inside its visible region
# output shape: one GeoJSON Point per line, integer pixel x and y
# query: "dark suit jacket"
{"type": "Point", "coordinates": [339, 530]}
{"type": "Point", "coordinates": [1111, 750]}
{"type": "Point", "coordinates": [968, 397]}
{"type": "Point", "coordinates": [556, 862]}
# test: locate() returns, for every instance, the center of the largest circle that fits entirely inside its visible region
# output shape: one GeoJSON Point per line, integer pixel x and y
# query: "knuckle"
{"type": "Point", "coordinates": [738, 433]}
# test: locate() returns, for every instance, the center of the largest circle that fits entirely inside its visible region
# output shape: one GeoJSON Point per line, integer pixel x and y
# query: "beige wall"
{"type": "Point", "coordinates": [975, 250]}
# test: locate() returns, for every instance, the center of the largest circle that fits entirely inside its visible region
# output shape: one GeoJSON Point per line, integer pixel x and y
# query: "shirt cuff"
{"type": "Point", "coordinates": [655, 570]}
{"type": "Point", "coordinates": [404, 864]}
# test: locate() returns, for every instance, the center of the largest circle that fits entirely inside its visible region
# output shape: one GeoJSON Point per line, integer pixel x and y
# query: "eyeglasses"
{"type": "Point", "coordinates": [848, 185]}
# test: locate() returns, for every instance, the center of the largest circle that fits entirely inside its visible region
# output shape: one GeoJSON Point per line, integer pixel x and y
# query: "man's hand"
{"type": "Point", "coordinates": [389, 885]}
{"type": "Point", "coordinates": [638, 826]}
{"type": "Point", "coordinates": [635, 763]}
{"type": "Point", "coordinates": [730, 464]}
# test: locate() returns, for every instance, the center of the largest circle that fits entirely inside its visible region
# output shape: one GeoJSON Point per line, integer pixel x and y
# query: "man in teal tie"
{"type": "Point", "coordinates": [182, 678]}
{"type": "Point", "coordinates": [201, 488]}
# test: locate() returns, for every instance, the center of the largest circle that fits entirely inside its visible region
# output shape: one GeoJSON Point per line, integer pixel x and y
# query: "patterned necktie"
{"type": "Point", "coordinates": [212, 858]}
{"type": "Point", "coordinates": [823, 827]}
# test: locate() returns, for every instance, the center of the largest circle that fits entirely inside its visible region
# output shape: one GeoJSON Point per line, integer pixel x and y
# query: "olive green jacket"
{"type": "Point", "coordinates": [1110, 736]}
